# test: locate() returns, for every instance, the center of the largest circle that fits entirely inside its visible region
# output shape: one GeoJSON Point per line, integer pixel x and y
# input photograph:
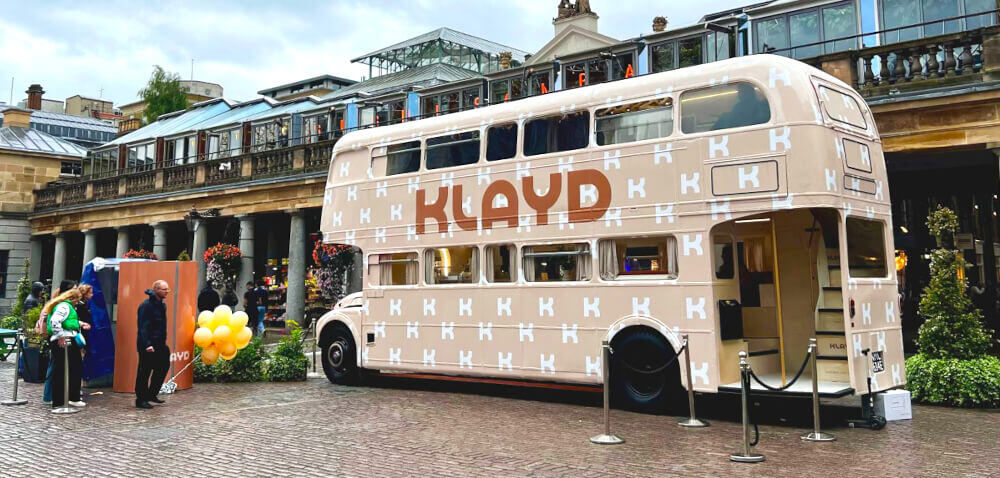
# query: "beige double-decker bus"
{"type": "Point", "coordinates": [742, 202]}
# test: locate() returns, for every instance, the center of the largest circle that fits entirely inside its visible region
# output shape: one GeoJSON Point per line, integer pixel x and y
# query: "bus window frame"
{"type": "Point", "coordinates": [385, 154]}
{"type": "Point", "coordinates": [674, 109]}
{"type": "Point", "coordinates": [477, 277]}
{"type": "Point", "coordinates": [818, 84]}
{"type": "Point", "coordinates": [380, 285]}
{"type": "Point", "coordinates": [424, 148]}
{"type": "Point", "coordinates": [523, 128]}
{"type": "Point", "coordinates": [518, 130]}
{"type": "Point", "coordinates": [846, 259]}
{"type": "Point", "coordinates": [523, 279]}
{"type": "Point", "coordinates": [515, 273]}
{"type": "Point", "coordinates": [679, 109]}
{"type": "Point", "coordinates": [635, 277]}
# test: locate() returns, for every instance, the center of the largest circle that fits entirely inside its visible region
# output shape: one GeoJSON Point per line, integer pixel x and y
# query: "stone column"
{"type": "Point", "coordinates": [122, 246]}
{"type": "Point", "coordinates": [200, 246]}
{"type": "Point", "coordinates": [35, 266]}
{"type": "Point", "coordinates": [89, 245]}
{"type": "Point", "coordinates": [59, 261]}
{"type": "Point", "coordinates": [295, 302]}
{"type": "Point", "coordinates": [160, 240]}
{"type": "Point", "coordinates": [246, 247]}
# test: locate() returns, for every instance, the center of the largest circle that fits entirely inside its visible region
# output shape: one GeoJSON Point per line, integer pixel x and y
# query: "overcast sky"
{"type": "Point", "coordinates": [74, 47]}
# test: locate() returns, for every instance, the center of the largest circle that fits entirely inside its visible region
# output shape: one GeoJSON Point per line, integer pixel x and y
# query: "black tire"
{"type": "Point", "coordinates": [339, 355]}
{"type": "Point", "coordinates": [639, 380]}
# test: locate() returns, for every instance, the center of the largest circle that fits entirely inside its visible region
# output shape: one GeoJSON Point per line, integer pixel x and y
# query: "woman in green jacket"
{"type": "Point", "coordinates": [64, 328]}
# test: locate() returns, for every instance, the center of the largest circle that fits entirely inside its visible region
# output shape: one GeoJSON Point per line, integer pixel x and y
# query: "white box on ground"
{"type": "Point", "coordinates": [893, 405]}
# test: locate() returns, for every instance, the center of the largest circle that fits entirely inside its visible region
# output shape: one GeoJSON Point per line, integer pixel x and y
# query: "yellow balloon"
{"type": "Point", "coordinates": [221, 315]}
{"type": "Point", "coordinates": [205, 318]}
{"type": "Point", "coordinates": [222, 334]}
{"type": "Point", "coordinates": [227, 349]}
{"type": "Point", "coordinates": [209, 356]}
{"type": "Point", "coordinates": [230, 356]}
{"type": "Point", "coordinates": [242, 338]}
{"type": "Point", "coordinates": [238, 320]}
{"type": "Point", "coordinates": [203, 337]}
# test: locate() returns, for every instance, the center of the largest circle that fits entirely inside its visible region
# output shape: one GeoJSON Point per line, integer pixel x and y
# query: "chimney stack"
{"type": "Point", "coordinates": [35, 93]}
{"type": "Point", "coordinates": [17, 117]}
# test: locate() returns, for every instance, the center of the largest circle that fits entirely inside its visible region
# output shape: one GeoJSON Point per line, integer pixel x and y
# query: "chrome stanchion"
{"type": "Point", "coordinates": [17, 377]}
{"type": "Point", "coordinates": [606, 438]}
{"type": "Point", "coordinates": [66, 408]}
{"type": "Point", "coordinates": [816, 435]}
{"type": "Point", "coordinates": [315, 336]}
{"type": "Point", "coordinates": [692, 421]}
{"type": "Point", "coordinates": [745, 456]}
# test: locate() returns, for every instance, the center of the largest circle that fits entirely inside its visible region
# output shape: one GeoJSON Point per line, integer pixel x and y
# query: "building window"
{"type": "Point", "coordinates": [142, 157]}
{"type": "Point", "coordinates": [557, 262]}
{"type": "Point", "coordinates": [70, 168]}
{"type": "Point", "coordinates": [501, 142]}
{"type": "Point", "coordinates": [635, 121]}
{"type": "Point", "coordinates": [799, 30]}
{"type": "Point", "coordinates": [451, 265]}
{"type": "Point", "coordinates": [596, 70]}
{"type": "Point", "coordinates": [499, 263]}
{"type": "Point", "coordinates": [900, 13]}
{"type": "Point", "coordinates": [722, 107]}
{"type": "Point", "coordinates": [557, 133]}
{"type": "Point", "coordinates": [539, 83]}
{"type": "Point", "coordinates": [866, 248]}
{"type": "Point", "coordinates": [394, 269]}
{"type": "Point", "coordinates": [4, 263]}
{"type": "Point", "coordinates": [637, 256]}
{"type": "Point", "coordinates": [505, 90]}
{"type": "Point", "coordinates": [402, 158]}
{"type": "Point", "coordinates": [453, 150]}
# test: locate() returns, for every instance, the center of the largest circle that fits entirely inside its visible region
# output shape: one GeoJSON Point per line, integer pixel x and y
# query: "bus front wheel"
{"type": "Point", "coordinates": [340, 357]}
{"type": "Point", "coordinates": [643, 378]}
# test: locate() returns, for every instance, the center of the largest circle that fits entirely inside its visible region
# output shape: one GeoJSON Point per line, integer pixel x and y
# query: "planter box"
{"type": "Point", "coordinates": [33, 365]}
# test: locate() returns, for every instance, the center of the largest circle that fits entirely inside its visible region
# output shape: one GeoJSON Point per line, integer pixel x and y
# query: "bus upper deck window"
{"type": "Point", "coordinates": [452, 265]}
{"type": "Point", "coordinates": [722, 107]}
{"type": "Point", "coordinates": [557, 262]}
{"type": "Point", "coordinates": [499, 263]}
{"type": "Point", "coordinates": [453, 150]}
{"type": "Point", "coordinates": [501, 142]}
{"type": "Point", "coordinates": [635, 121]}
{"type": "Point", "coordinates": [397, 269]}
{"type": "Point", "coordinates": [403, 158]}
{"type": "Point", "coordinates": [556, 133]}
{"type": "Point", "coordinates": [841, 107]}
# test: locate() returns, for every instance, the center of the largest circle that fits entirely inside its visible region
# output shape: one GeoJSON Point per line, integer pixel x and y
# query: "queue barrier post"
{"type": "Point", "coordinates": [745, 455]}
{"type": "Point", "coordinates": [606, 438]}
{"type": "Point", "coordinates": [692, 421]}
{"type": "Point", "coordinates": [66, 408]}
{"type": "Point", "coordinates": [17, 377]}
{"type": "Point", "coordinates": [816, 434]}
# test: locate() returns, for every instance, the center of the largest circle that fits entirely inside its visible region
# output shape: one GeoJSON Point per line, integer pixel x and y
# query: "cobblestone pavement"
{"type": "Point", "coordinates": [404, 428]}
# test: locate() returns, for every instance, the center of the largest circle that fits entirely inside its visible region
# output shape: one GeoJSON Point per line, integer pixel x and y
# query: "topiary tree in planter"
{"type": "Point", "coordinates": [953, 366]}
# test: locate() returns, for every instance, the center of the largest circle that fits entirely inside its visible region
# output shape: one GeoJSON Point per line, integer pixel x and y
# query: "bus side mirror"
{"type": "Point", "coordinates": [731, 319]}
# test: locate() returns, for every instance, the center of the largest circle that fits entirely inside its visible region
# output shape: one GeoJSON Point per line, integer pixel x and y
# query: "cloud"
{"type": "Point", "coordinates": [73, 47]}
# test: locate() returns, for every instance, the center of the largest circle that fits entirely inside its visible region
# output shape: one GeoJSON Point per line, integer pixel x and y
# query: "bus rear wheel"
{"type": "Point", "coordinates": [642, 377]}
{"type": "Point", "coordinates": [340, 356]}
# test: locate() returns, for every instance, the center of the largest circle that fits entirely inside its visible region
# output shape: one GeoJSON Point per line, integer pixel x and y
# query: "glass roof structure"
{"type": "Point", "coordinates": [71, 121]}
{"type": "Point", "coordinates": [429, 75]}
{"type": "Point", "coordinates": [443, 45]}
{"type": "Point", "coordinates": [30, 141]}
{"type": "Point", "coordinates": [175, 123]}
{"type": "Point", "coordinates": [298, 105]}
{"type": "Point", "coordinates": [237, 115]}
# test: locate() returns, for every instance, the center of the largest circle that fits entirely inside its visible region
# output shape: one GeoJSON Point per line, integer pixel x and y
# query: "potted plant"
{"type": "Point", "coordinates": [222, 266]}
{"type": "Point", "coordinates": [141, 254]}
{"type": "Point", "coordinates": [35, 352]}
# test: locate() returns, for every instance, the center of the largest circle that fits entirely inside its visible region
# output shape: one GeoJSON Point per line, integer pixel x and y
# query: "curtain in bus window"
{"type": "Point", "coordinates": [899, 13]}
{"type": "Point", "coordinates": [429, 258]}
{"type": "Point", "coordinates": [755, 257]}
{"type": "Point", "coordinates": [453, 150]}
{"type": "Point", "coordinates": [772, 34]}
{"type": "Point", "coordinates": [573, 131]}
{"type": "Point", "coordinates": [582, 270]}
{"type": "Point", "coordinates": [672, 256]}
{"type": "Point", "coordinates": [474, 265]}
{"type": "Point", "coordinates": [803, 29]}
{"type": "Point", "coordinates": [528, 263]}
{"type": "Point", "coordinates": [403, 158]}
{"type": "Point", "coordinates": [385, 270]}
{"type": "Point", "coordinates": [937, 10]}
{"type": "Point", "coordinates": [690, 52]}
{"type": "Point", "coordinates": [663, 57]}
{"type": "Point", "coordinates": [412, 269]}
{"type": "Point", "coordinates": [839, 22]}
{"type": "Point", "coordinates": [501, 142]}
{"type": "Point", "coordinates": [721, 107]}
{"type": "Point", "coordinates": [974, 6]}
{"type": "Point", "coordinates": [608, 257]}
{"type": "Point", "coordinates": [635, 122]}
{"type": "Point", "coordinates": [489, 265]}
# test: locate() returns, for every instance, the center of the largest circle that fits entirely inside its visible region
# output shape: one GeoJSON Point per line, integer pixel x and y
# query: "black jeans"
{"type": "Point", "coordinates": [59, 356]}
{"type": "Point", "coordinates": [152, 371]}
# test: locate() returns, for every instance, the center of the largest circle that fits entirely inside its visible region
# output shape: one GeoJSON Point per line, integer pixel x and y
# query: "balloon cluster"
{"type": "Point", "coordinates": [221, 333]}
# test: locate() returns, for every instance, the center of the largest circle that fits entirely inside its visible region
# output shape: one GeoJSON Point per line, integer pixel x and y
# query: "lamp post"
{"type": "Point", "coordinates": [193, 220]}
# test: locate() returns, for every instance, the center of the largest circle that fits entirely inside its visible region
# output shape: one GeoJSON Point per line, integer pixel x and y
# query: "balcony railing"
{"type": "Point", "coordinates": [306, 155]}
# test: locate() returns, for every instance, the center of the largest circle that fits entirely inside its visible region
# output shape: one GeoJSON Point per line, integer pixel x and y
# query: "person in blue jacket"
{"type": "Point", "coordinates": [151, 343]}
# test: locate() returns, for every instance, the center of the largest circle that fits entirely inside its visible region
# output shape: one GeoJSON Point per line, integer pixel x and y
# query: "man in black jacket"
{"type": "Point", "coordinates": [208, 298]}
{"type": "Point", "coordinates": [151, 343]}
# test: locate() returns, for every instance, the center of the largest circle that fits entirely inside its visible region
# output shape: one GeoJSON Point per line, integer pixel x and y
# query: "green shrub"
{"type": "Point", "coordinates": [246, 366]}
{"type": "Point", "coordinates": [952, 327]}
{"type": "Point", "coordinates": [961, 383]}
{"type": "Point", "coordinates": [287, 369]}
{"type": "Point", "coordinates": [12, 322]}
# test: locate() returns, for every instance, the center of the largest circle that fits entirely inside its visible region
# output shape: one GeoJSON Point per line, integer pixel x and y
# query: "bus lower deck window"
{"type": "Point", "coordinates": [557, 133]}
{"type": "Point", "coordinates": [635, 121]}
{"type": "Point", "coordinates": [452, 265]}
{"type": "Point", "coordinates": [397, 269]}
{"type": "Point", "coordinates": [453, 150]}
{"type": "Point", "coordinates": [555, 263]}
{"type": "Point", "coordinates": [501, 142]}
{"type": "Point", "coordinates": [721, 107]}
{"type": "Point", "coordinates": [499, 263]}
{"type": "Point", "coordinates": [637, 256]}
{"type": "Point", "coordinates": [403, 158]}
{"type": "Point", "coordinates": [866, 248]}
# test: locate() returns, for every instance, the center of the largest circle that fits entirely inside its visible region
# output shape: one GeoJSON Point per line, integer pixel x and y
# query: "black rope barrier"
{"type": "Point", "coordinates": [787, 385]}
{"type": "Point", "coordinates": [660, 368]}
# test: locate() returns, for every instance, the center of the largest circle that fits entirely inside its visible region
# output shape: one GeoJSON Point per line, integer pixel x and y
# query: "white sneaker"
{"type": "Point", "coordinates": [79, 404]}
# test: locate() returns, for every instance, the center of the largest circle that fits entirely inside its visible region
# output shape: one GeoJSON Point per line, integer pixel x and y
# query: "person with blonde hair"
{"type": "Point", "coordinates": [64, 328]}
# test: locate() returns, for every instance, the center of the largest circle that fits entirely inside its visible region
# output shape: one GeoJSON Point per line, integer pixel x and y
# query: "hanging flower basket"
{"type": "Point", "coordinates": [140, 254]}
{"type": "Point", "coordinates": [223, 265]}
{"type": "Point", "coordinates": [333, 261]}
